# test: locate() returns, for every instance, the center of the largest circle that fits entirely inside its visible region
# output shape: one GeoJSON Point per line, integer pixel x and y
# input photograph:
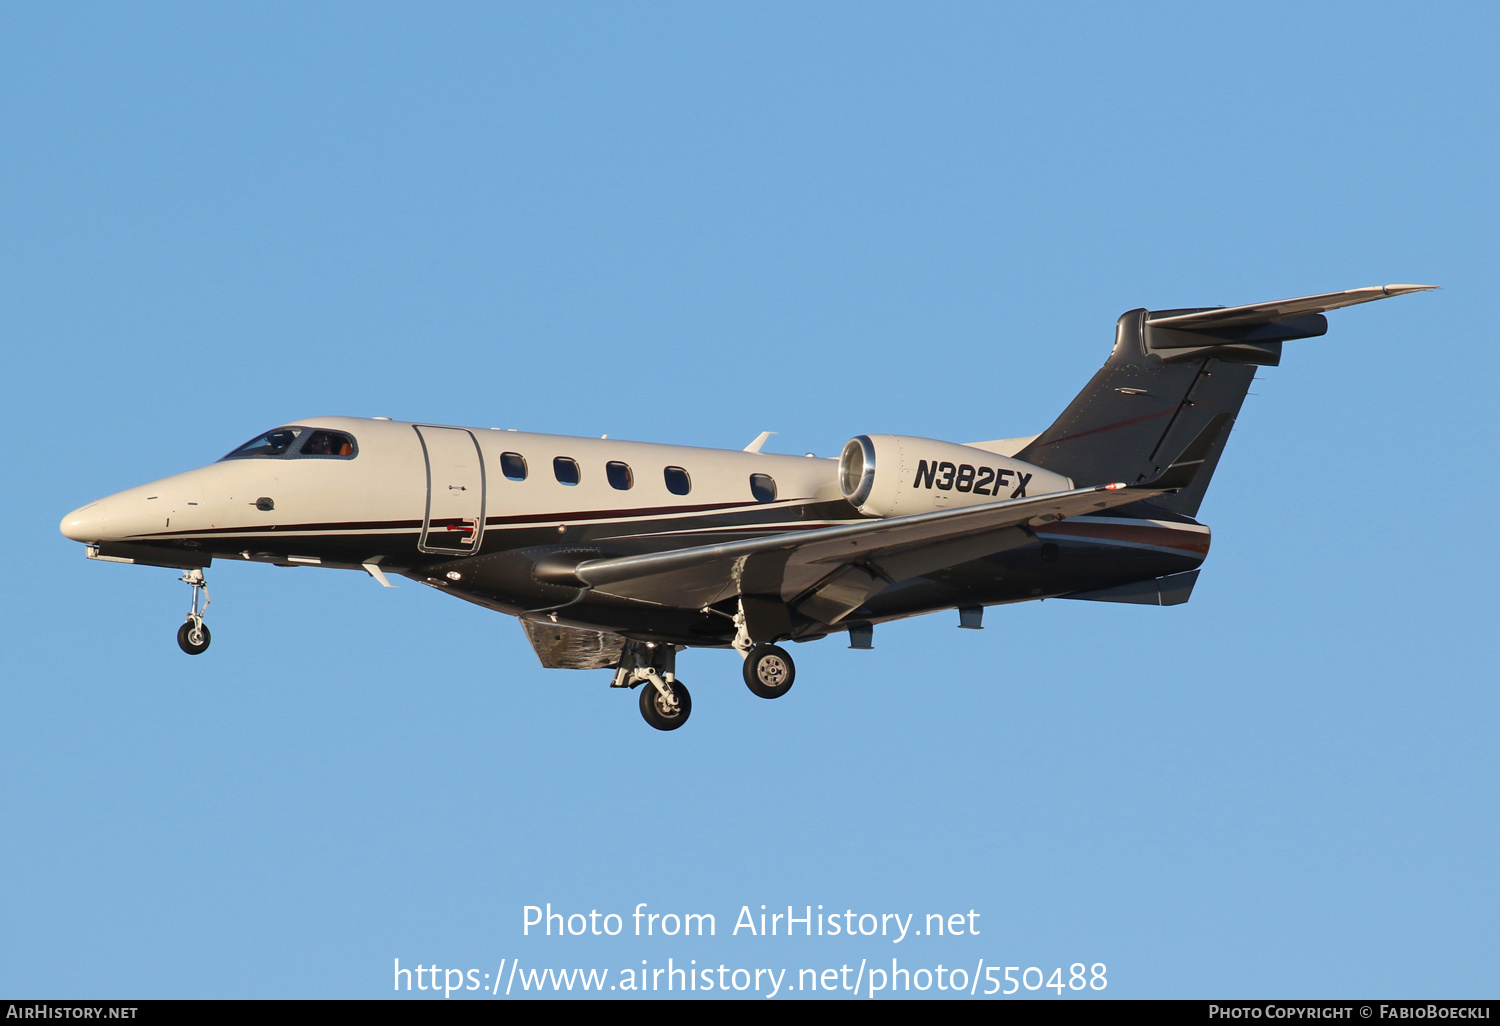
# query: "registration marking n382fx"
{"type": "Point", "coordinates": [944, 476]}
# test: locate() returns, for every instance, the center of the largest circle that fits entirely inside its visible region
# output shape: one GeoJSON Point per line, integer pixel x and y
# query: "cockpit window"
{"type": "Point", "coordinates": [327, 443]}
{"type": "Point", "coordinates": [296, 442]}
{"type": "Point", "coordinates": [272, 443]}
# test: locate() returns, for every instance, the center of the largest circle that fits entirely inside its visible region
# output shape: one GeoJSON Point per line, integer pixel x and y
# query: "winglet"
{"type": "Point", "coordinates": [760, 440]}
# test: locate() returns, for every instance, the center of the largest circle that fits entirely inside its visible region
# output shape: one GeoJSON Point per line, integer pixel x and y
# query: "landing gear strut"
{"type": "Point", "coordinates": [193, 636]}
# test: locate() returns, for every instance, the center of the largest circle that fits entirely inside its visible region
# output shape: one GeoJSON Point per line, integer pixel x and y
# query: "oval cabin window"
{"type": "Point", "coordinates": [619, 475]}
{"type": "Point", "coordinates": [513, 465]}
{"type": "Point", "coordinates": [763, 487]}
{"type": "Point", "coordinates": [678, 482]}
{"type": "Point", "coordinates": [566, 470]}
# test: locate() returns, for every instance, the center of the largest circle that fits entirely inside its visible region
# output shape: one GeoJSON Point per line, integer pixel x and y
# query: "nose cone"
{"type": "Point", "coordinates": [86, 523]}
{"type": "Point", "coordinates": [143, 513]}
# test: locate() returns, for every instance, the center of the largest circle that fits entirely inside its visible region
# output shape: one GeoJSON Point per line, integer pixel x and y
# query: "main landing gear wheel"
{"type": "Point", "coordinates": [659, 713]}
{"type": "Point", "coordinates": [769, 671]}
{"type": "Point", "coordinates": [193, 638]}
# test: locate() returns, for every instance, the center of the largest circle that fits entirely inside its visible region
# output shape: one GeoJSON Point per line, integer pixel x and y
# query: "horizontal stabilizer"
{"type": "Point", "coordinates": [1281, 309]}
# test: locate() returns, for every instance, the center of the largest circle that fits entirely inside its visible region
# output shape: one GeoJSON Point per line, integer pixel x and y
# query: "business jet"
{"type": "Point", "coordinates": [618, 555]}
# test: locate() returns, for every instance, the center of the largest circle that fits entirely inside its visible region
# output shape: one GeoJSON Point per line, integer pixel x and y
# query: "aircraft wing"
{"type": "Point", "coordinates": [829, 572]}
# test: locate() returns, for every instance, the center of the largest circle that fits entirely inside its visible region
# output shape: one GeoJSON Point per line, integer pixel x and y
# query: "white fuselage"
{"type": "Point", "coordinates": [431, 483]}
{"type": "Point", "coordinates": [501, 519]}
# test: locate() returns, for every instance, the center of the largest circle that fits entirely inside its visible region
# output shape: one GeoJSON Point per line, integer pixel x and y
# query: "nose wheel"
{"type": "Point", "coordinates": [193, 636]}
{"type": "Point", "coordinates": [769, 671]}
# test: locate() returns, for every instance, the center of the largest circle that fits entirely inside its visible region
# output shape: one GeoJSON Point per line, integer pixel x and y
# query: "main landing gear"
{"type": "Point", "coordinates": [666, 705]}
{"type": "Point", "coordinates": [665, 702]}
{"type": "Point", "coordinates": [769, 671]}
{"type": "Point", "coordinates": [193, 636]}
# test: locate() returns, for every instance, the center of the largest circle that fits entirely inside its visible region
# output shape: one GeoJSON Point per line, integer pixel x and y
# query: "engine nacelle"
{"type": "Point", "coordinates": [896, 475]}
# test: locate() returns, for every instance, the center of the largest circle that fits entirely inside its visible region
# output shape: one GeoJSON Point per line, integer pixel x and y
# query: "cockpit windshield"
{"type": "Point", "coordinates": [272, 443]}
{"type": "Point", "coordinates": [297, 443]}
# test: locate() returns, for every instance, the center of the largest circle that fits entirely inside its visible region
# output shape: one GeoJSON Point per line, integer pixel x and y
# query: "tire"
{"type": "Point", "coordinates": [652, 711]}
{"type": "Point", "coordinates": [185, 640]}
{"type": "Point", "coordinates": [769, 671]}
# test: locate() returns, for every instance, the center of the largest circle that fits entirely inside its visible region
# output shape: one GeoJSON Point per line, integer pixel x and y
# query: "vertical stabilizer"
{"type": "Point", "coordinates": [1171, 374]}
{"type": "Point", "coordinates": [1138, 413]}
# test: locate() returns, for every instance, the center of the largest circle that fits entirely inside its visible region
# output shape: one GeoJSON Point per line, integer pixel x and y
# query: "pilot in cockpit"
{"type": "Point", "coordinates": [328, 443]}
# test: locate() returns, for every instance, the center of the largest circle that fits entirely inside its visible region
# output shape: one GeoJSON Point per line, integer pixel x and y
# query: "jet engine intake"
{"type": "Point", "coordinates": [897, 475]}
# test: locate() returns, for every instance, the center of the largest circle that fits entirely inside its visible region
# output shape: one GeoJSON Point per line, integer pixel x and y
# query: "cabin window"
{"type": "Point", "coordinates": [619, 475]}
{"type": "Point", "coordinates": [272, 443]}
{"type": "Point", "coordinates": [763, 487]}
{"type": "Point", "coordinates": [513, 465]}
{"type": "Point", "coordinates": [678, 482]}
{"type": "Point", "coordinates": [327, 443]}
{"type": "Point", "coordinates": [566, 470]}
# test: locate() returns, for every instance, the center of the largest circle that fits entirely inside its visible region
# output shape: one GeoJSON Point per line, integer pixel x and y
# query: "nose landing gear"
{"type": "Point", "coordinates": [193, 636]}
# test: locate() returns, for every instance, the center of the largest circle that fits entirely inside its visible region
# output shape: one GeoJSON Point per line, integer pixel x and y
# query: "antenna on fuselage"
{"type": "Point", "coordinates": [760, 440]}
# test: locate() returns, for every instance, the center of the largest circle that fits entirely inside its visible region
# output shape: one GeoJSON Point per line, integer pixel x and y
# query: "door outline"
{"type": "Point", "coordinates": [426, 542]}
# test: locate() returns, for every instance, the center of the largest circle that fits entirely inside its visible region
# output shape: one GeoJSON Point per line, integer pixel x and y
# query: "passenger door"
{"type": "Point", "coordinates": [453, 523]}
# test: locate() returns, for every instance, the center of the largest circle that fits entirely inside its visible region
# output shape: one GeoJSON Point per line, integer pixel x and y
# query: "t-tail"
{"type": "Point", "coordinates": [1174, 383]}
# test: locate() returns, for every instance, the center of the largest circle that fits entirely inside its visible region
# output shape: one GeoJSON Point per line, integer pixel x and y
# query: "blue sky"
{"type": "Point", "coordinates": [692, 223]}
